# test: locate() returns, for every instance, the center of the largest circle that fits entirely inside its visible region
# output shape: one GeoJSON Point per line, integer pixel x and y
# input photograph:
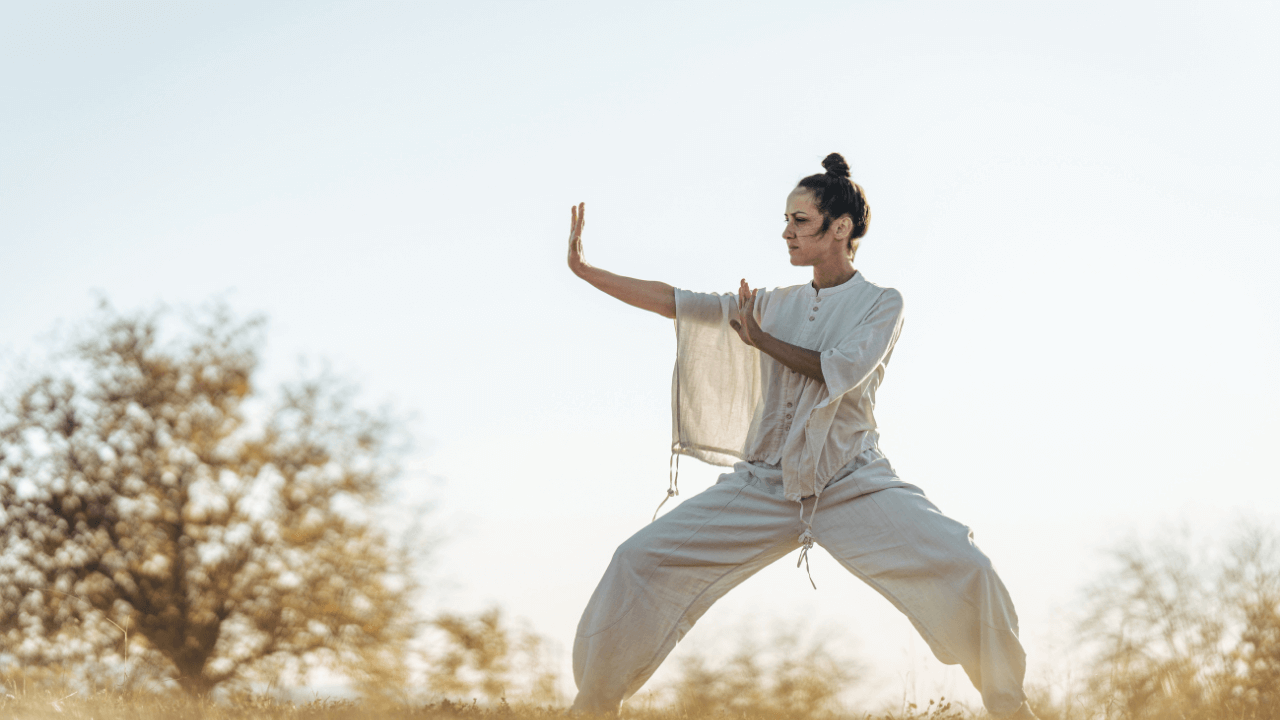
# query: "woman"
{"type": "Point", "coordinates": [781, 384]}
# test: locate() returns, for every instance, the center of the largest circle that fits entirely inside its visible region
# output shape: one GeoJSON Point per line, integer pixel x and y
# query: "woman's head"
{"type": "Point", "coordinates": [840, 202]}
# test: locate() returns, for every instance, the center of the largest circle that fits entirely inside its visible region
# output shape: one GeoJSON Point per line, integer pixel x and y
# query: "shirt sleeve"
{"type": "Point", "coordinates": [708, 310]}
{"type": "Point", "coordinates": [855, 357]}
{"type": "Point", "coordinates": [716, 384]}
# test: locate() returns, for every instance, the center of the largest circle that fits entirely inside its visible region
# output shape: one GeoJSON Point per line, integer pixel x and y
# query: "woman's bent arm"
{"type": "Point", "coordinates": [650, 295]}
{"type": "Point", "coordinates": [802, 360]}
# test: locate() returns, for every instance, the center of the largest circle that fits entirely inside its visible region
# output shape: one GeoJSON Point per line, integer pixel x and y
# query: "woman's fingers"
{"type": "Point", "coordinates": [746, 296]}
{"type": "Point", "coordinates": [577, 218]}
{"type": "Point", "coordinates": [575, 237]}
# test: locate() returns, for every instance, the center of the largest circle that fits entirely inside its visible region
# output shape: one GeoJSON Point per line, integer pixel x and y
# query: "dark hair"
{"type": "Point", "coordinates": [837, 195]}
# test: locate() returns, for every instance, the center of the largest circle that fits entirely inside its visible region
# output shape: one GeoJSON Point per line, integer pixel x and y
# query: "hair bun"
{"type": "Point", "coordinates": [835, 165]}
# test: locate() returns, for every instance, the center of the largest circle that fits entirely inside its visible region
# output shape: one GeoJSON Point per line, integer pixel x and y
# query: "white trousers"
{"type": "Point", "coordinates": [883, 530]}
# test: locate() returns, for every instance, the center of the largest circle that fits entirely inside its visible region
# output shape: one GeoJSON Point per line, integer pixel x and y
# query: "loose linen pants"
{"type": "Point", "coordinates": [883, 530]}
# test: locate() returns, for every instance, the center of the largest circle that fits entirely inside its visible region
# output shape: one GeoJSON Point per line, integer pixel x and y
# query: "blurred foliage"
{"type": "Point", "coordinates": [484, 659]}
{"type": "Point", "coordinates": [1177, 633]}
{"type": "Point", "coordinates": [162, 522]}
{"type": "Point", "coordinates": [784, 677]}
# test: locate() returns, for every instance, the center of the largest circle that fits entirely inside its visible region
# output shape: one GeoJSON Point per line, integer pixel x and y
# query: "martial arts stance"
{"type": "Point", "coordinates": [780, 384]}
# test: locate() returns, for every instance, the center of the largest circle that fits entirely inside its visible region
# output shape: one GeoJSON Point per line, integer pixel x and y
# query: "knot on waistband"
{"type": "Point", "coordinates": [806, 540]}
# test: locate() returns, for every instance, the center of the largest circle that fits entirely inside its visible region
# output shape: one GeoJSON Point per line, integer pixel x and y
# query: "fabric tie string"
{"type": "Point", "coordinates": [806, 540]}
{"type": "Point", "coordinates": [673, 480]}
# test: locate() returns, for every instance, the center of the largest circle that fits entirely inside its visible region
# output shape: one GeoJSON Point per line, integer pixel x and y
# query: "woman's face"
{"type": "Point", "coordinates": [806, 243]}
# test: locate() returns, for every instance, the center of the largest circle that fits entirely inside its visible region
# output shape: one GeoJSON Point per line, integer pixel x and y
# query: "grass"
{"type": "Point", "coordinates": [44, 705]}
{"type": "Point", "coordinates": [122, 706]}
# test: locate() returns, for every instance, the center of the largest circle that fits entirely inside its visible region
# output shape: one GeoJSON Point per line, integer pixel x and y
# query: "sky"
{"type": "Point", "coordinates": [1076, 200]}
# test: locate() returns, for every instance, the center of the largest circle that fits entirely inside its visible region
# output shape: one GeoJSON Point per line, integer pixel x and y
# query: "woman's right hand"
{"type": "Point", "coordinates": [577, 218]}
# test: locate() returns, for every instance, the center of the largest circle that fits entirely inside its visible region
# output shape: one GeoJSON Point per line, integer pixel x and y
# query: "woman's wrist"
{"type": "Point", "coordinates": [763, 340]}
{"type": "Point", "coordinates": [582, 269]}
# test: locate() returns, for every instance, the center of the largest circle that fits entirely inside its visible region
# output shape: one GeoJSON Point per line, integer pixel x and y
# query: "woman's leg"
{"type": "Point", "coordinates": [926, 564]}
{"type": "Point", "coordinates": [664, 578]}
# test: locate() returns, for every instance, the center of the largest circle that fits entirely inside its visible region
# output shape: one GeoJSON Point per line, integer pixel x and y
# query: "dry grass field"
{"type": "Point", "coordinates": [696, 695]}
{"type": "Point", "coordinates": [109, 706]}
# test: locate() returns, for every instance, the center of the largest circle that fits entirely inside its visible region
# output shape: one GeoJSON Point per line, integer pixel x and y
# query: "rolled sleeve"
{"type": "Point", "coordinates": [855, 357]}
{"type": "Point", "coordinates": [706, 309]}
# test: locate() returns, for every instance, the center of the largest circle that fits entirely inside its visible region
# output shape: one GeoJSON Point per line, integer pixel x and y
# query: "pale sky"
{"type": "Point", "coordinates": [1078, 202]}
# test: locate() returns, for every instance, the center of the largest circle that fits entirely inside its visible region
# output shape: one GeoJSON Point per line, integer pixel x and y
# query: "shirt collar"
{"type": "Point", "coordinates": [857, 279]}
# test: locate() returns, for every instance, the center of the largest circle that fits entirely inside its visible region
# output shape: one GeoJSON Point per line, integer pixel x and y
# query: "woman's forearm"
{"type": "Point", "coordinates": [650, 295]}
{"type": "Point", "coordinates": [802, 360]}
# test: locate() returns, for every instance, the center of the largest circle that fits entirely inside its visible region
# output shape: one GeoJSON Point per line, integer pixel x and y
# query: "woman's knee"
{"type": "Point", "coordinates": [635, 553]}
{"type": "Point", "coordinates": [979, 560]}
{"type": "Point", "coordinates": [975, 561]}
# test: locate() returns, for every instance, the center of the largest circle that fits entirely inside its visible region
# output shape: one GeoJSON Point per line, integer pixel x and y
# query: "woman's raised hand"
{"type": "Point", "coordinates": [746, 325]}
{"type": "Point", "coordinates": [577, 218]}
{"type": "Point", "coordinates": [648, 295]}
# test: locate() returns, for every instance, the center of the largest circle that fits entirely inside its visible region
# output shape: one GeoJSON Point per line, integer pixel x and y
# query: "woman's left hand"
{"type": "Point", "coordinates": [746, 325]}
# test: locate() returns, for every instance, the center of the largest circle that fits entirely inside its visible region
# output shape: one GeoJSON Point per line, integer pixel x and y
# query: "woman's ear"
{"type": "Point", "coordinates": [844, 227]}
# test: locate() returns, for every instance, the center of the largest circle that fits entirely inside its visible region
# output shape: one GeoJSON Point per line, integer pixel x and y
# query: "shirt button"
{"type": "Point", "coordinates": [815, 308]}
{"type": "Point", "coordinates": [788, 404]}
{"type": "Point", "coordinates": [810, 318]}
{"type": "Point", "coordinates": [788, 417]}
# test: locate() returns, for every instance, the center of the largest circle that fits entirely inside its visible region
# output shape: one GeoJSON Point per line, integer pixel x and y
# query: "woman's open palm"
{"type": "Point", "coordinates": [577, 218]}
{"type": "Point", "coordinates": [746, 324]}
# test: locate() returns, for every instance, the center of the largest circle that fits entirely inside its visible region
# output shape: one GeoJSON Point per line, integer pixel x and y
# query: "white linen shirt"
{"type": "Point", "coordinates": [731, 402]}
